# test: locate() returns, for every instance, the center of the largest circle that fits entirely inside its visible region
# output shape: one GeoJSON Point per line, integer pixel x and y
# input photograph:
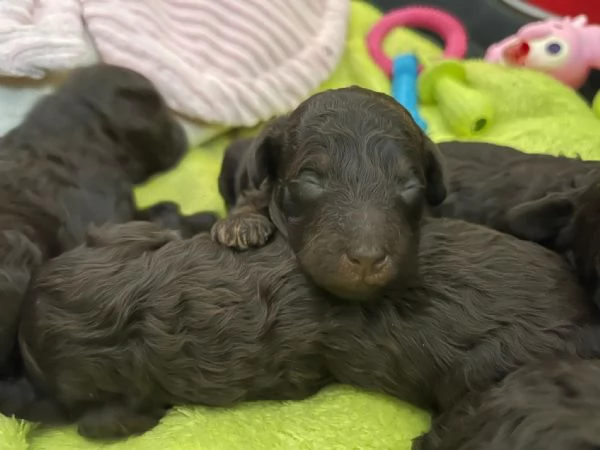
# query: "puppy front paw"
{"type": "Point", "coordinates": [243, 231]}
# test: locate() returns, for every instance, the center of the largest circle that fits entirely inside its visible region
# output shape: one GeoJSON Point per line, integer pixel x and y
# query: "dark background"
{"type": "Point", "coordinates": [487, 22]}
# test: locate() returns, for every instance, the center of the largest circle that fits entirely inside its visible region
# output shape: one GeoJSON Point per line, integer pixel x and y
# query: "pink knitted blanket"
{"type": "Point", "coordinates": [37, 36]}
{"type": "Point", "coordinates": [232, 62]}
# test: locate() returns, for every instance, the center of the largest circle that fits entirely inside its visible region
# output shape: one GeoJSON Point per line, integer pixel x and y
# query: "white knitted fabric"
{"type": "Point", "coordinates": [232, 62]}
{"type": "Point", "coordinates": [37, 36]}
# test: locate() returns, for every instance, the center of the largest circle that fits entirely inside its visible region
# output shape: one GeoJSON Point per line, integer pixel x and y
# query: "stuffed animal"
{"type": "Point", "coordinates": [565, 48]}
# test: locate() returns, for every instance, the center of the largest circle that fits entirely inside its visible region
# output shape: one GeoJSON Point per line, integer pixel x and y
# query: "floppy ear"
{"type": "Point", "coordinates": [262, 160]}
{"type": "Point", "coordinates": [276, 214]}
{"type": "Point", "coordinates": [435, 189]}
{"type": "Point", "coordinates": [231, 168]}
{"type": "Point", "coordinates": [542, 220]}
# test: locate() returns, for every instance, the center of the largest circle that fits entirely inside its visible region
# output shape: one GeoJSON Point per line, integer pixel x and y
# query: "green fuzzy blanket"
{"type": "Point", "coordinates": [533, 113]}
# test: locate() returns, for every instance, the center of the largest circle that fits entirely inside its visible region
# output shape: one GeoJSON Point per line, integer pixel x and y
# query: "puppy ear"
{"type": "Point", "coordinates": [264, 154]}
{"type": "Point", "coordinates": [435, 189]}
{"type": "Point", "coordinates": [231, 168]}
{"type": "Point", "coordinates": [542, 220]}
{"type": "Point", "coordinates": [276, 214]}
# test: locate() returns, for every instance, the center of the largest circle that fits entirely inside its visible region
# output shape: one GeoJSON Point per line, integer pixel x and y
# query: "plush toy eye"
{"type": "Point", "coordinates": [554, 48]}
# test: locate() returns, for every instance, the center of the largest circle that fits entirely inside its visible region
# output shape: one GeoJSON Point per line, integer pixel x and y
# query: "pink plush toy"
{"type": "Point", "coordinates": [566, 49]}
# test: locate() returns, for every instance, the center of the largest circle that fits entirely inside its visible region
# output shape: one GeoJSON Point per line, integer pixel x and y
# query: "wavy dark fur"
{"type": "Point", "coordinates": [138, 319]}
{"type": "Point", "coordinates": [551, 200]}
{"type": "Point", "coordinates": [73, 162]}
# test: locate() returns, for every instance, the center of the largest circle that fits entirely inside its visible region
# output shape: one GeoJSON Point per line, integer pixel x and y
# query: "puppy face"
{"type": "Point", "coordinates": [133, 113]}
{"type": "Point", "coordinates": [352, 173]}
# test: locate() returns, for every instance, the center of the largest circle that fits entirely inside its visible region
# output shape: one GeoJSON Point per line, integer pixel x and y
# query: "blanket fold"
{"type": "Point", "coordinates": [38, 36]}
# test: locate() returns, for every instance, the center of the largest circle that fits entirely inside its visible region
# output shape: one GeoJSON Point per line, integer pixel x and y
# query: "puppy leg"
{"type": "Point", "coordinates": [18, 398]}
{"type": "Point", "coordinates": [168, 215]}
{"type": "Point", "coordinates": [247, 224]}
{"type": "Point", "coordinates": [201, 222]}
{"type": "Point", "coordinates": [115, 421]}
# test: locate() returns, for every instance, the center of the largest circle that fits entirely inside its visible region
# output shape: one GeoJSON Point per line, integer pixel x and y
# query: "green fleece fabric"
{"type": "Point", "coordinates": [533, 113]}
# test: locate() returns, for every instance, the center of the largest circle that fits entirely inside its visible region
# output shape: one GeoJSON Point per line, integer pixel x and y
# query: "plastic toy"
{"type": "Point", "coordinates": [466, 110]}
{"type": "Point", "coordinates": [440, 22]}
{"type": "Point", "coordinates": [566, 49]}
{"type": "Point", "coordinates": [404, 82]}
{"type": "Point", "coordinates": [403, 70]}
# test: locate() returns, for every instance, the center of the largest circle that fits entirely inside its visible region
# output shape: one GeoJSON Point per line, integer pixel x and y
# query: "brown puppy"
{"type": "Point", "coordinates": [570, 223]}
{"type": "Point", "coordinates": [550, 405]}
{"type": "Point", "coordinates": [485, 181]}
{"type": "Point", "coordinates": [138, 319]}
{"type": "Point", "coordinates": [73, 162]}
{"type": "Point", "coordinates": [546, 199]}
{"type": "Point", "coordinates": [345, 178]}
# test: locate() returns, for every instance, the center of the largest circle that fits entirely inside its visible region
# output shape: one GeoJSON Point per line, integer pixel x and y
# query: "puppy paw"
{"type": "Point", "coordinates": [243, 231]}
{"type": "Point", "coordinates": [116, 422]}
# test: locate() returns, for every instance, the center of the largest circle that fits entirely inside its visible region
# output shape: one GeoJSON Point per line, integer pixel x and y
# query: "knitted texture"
{"type": "Point", "coordinates": [37, 36]}
{"type": "Point", "coordinates": [233, 62]}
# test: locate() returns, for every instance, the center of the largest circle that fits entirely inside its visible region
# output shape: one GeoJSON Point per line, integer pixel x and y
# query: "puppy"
{"type": "Point", "coordinates": [486, 181]}
{"type": "Point", "coordinates": [545, 199]}
{"type": "Point", "coordinates": [549, 405]}
{"type": "Point", "coordinates": [138, 319]}
{"type": "Point", "coordinates": [195, 324]}
{"type": "Point", "coordinates": [344, 178]}
{"type": "Point", "coordinates": [73, 162]}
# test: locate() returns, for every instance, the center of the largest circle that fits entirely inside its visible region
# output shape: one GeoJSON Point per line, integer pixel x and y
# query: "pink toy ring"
{"type": "Point", "coordinates": [440, 22]}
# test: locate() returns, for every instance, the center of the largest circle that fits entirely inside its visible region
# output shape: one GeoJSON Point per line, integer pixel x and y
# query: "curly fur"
{"type": "Point", "coordinates": [549, 405]}
{"type": "Point", "coordinates": [551, 200]}
{"type": "Point", "coordinates": [138, 319]}
{"type": "Point", "coordinates": [73, 162]}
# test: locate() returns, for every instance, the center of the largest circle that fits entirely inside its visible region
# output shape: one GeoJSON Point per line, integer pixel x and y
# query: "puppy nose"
{"type": "Point", "coordinates": [368, 260]}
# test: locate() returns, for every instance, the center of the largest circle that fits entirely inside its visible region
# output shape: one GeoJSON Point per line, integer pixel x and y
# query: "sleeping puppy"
{"type": "Point", "coordinates": [548, 405]}
{"type": "Point", "coordinates": [486, 181]}
{"type": "Point", "coordinates": [138, 319]}
{"type": "Point", "coordinates": [570, 223]}
{"type": "Point", "coordinates": [73, 162]}
{"type": "Point", "coordinates": [352, 236]}
{"type": "Point", "coordinates": [551, 200]}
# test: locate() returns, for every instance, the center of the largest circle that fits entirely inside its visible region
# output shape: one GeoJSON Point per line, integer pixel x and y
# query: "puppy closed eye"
{"type": "Point", "coordinates": [411, 192]}
{"type": "Point", "coordinates": [307, 187]}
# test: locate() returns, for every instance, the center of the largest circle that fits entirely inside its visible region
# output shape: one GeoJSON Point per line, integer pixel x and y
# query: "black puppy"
{"type": "Point", "coordinates": [551, 200]}
{"type": "Point", "coordinates": [73, 162]}
{"type": "Point", "coordinates": [549, 405]}
{"type": "Point", "coordinates": [345, 178]}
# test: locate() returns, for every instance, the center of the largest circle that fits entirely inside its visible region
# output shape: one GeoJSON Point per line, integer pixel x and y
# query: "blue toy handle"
{"type": "Point", "coordinates": [404, 85]}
